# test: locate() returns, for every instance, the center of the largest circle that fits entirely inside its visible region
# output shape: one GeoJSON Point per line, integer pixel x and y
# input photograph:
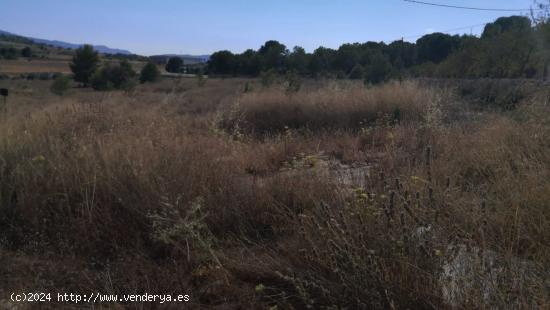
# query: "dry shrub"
{"type": "Point", "coordinates": [460, 224]}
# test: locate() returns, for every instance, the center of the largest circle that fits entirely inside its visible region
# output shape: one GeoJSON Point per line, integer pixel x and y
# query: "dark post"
{"type": "Point", "coordinates": [4, 93]}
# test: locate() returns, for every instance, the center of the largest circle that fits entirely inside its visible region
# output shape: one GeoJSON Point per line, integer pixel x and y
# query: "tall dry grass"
{"type": "Point", "coordinates": [331, 108]}
{"type": "Point", "coordinates": [143, 192]}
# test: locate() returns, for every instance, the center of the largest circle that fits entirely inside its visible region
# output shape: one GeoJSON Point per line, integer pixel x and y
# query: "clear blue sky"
{"type": "Point", "coordinates": [204, 26]}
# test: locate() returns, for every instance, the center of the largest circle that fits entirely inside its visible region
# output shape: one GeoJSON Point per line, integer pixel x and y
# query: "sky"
{"type": "Point", "coordinates": [149, 27]}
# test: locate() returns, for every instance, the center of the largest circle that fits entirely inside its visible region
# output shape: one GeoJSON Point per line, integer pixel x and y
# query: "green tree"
{"type": "Point", "coordinates": [174, 65]}
{"type": "Point", "coordinates": [298, 60]}
{"type": "Point", "coordinates": [319, 62]}
{"type": "Point", "coordinates": [518, 24]}
{"type": "Point", "coordinates": [346, 57]}
{"type": "Point", "coordinates": [26, 52]}
{"type": "Point", "coordinates": [122, 75]}
{"type": "Point", "coordinates": [222, 62]}
{"type": "Point", "coordinates": [85, 63]}
{"type": "Point", "coordinates": [248, 63]}
{"type": "Point", "coordinates": [273, 55]}
{"type": "Point", "coordinates": [149, 73]}
{"type": "Point", "coordinates": [507, 49]}
{"type": "Point", "coordinates": [436, 47]}
{"type": "Point", "coordinates": [402, 54]}
{"type": "Point", "coordinates": [8, 53]}
{"type": "Point", "coordinates": [378, 69]}
{"type": "Point", "coordinates": [357, 72]}
{"type": "Point", "coordinates": [100, 79]}
{"type": "Point", "coordinates": [110, 76]}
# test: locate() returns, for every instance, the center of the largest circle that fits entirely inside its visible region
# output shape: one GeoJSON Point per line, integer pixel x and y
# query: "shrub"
{"type": "Point", "coordinates": [32, 76]}
{"type": "Point", "coordinates": [26, 52]}
{"type": "Point", "coordinates": [60, 85]}
{"type": "Point", "coordinates": [100, 79]}
{"type": "Point", "coordinates": [114, 77]}
{"type": "Point", "coordinates": [174, 65]}
{"type": "Point", "coordinates": [149, 73]}
{"type": "Point", "coordinates": [247, 87]}
{"type": "Point", "coordinates": [9, 52]}
{"type": "Point", "coordinates": [293, 81]}
{"type": "Point", "coordinates": [268, 77]}
{"type": "Point", "coordinates": [357, 72]}
{"type": "Point", "coordinates": [44, 76]}
{"type": "Point", "coordinates": [200, 79]}
{"type": "Point", "coordinates": [502, 94]}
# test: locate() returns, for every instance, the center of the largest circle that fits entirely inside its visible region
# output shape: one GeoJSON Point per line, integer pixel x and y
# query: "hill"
{"type": "Point", "coordinates": [101, 48]}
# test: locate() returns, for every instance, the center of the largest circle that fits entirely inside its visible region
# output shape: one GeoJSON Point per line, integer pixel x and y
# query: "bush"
{"type": "Point", "coordinates": [149, 73]}
{"type": "Point", "coordinates": [200, 79]}
{"type": "Point", "coordinates": [268, 77]}
{"type": "Point", "coordinates": [60, 85]}
{"type": "Point", "coordinates": [32, 76]}
{"type": "Point", "coordinates": [8, 53]}
{"type": "Point", "coordinates": [122, 75]}
{"type": "Point", "coordinates": [26, 52]}
{"type": "Point", "coordinates": [247, 88]}
{"type": "Point", "coordinates": [100, 80]}
{"type": "Point", "coordinates": [114, 77]}
{"type": "Point", "coordinates": [501, 94]}
{"type": "Point", "coordinates": [174, 65]}
{"type": "Point", "coordinates": [293, 81]}
{"type": "Point", "coordinates": [44, 76]}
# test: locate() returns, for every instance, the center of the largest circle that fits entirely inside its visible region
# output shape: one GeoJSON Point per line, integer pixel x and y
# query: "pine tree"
{"type": "Point", "coordinates": [85, 63]}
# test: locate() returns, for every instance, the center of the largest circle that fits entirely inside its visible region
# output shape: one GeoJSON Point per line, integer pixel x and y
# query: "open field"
{"type": "Point", "coordinates": [50, 65]}
{"type": "Point", "coordinates": [35, 65]}
{"type": "Point", "coordinates": [412, 194]}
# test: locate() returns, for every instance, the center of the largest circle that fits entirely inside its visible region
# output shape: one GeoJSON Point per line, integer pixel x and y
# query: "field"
{"type": "Point", "coordinates": [49, 65]}
{"type": "Point", "coordinates": [419, 194]}
{"type": "Point", "coordinates": [24, 65]}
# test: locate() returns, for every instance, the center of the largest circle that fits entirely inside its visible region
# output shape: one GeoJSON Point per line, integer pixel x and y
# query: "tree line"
{"type": "Point", "coordinates": [88, 69]}
{"type": "Point", "coordinates": [509, 47]}
{"type": "Point", "coordinates": [13, 53]}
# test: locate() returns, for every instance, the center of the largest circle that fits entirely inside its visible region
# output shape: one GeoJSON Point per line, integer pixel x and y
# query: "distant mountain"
{"type": "Point", "coordinates": [187, 59]}
{"type": "Point", "coordinates": [100, 48]}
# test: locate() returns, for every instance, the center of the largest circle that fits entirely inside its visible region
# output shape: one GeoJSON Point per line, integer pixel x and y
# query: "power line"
{"type": "Point", "coordinates": [447, 31]}
{"type": "Point", "coordinates": [472, 8]}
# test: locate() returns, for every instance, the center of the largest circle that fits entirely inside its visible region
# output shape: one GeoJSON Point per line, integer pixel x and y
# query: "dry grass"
{"type": "Point", "coordinates": [142, 191]}
{"type": "Point", "coordinates": [53, 63]}
{"type": "Point", "coordinates": [348, 107]}
{"type": "Point", "coordinates": [35, 66]}
{"type": "Point", "coordinates": [331, 108]}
